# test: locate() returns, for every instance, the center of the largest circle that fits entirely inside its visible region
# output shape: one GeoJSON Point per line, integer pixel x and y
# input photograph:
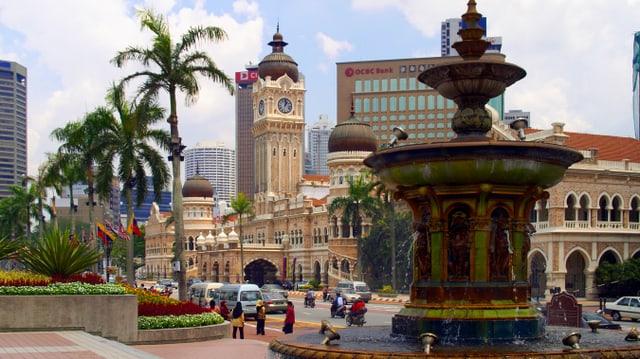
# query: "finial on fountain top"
{"type": "Point", "coordinates": [472, 47]}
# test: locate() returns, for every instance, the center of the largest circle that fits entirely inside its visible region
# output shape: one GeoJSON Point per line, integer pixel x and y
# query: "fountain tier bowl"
{"type": "Point", "coordinates": [510, 163]}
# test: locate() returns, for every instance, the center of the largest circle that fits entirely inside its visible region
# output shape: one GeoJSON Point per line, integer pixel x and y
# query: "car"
{"type": "Point", "coordinates": [624, 307]}
{"type": "Point", "coordinates": [274, 288]}
{"type": "Point", "coordinates": [348, 294]}
{"type": "Point", "coordinates": [300, 284]}
{"type": "Point", "coordinates": [191, 281]}
{"type": "Point", "coordinates": [604, 322]}
{"type": "Point", "coordinates": [274, 302]}
{"type": "Point", "coordinates": [167, 283]}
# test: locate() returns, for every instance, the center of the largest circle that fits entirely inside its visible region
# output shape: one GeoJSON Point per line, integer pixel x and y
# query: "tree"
{"type": "Point", "coordinates": [172, 66]}
{"type": "Point", "coordinates": [618, 279]}
{"type": "Point", "coordinates": [80, 142]}
{"type": "Point", "coordinates": [65, 171]}
{"type": "Point", "coordinates": [126, 143]}
{"type": "Point", "coordinates": [16, 212]}
{"type": "Point", "coordinates": [241, 207]}
{"type": "Point", "coordinates": [356, 204]}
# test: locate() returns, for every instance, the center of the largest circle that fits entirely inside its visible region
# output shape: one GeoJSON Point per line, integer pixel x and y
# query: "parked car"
{"type": "Point", "coordinates": [191, 281]}
{"type": "Point", "coordinates": [604, 322]}
{"type": "Point", "coordinates": [348, 294]}
{"type": "Point", "coordinates": [274, 288]}
{"type": "Point", "coordinates": [274, 302]}
{"type": "Point", "coordinates": [301, 283]}
{"type": "Point", "coordinates": [624, 307]}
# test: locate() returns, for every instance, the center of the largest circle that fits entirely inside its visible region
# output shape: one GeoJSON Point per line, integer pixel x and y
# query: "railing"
{"type": "Point", "coordinates": [576, 224]}
{"type": "Point", "coordinates": [609, 225]}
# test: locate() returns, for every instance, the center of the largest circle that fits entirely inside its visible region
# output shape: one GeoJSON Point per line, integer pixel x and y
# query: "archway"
{"type": "Point", "coordinates": [537, 277]}
{"type": "Point", "coordinates": [574, 282]}
{"type": "Point", "coordinates": [609, 257]}
{"type": "Point", "coordinates": [260, 272]}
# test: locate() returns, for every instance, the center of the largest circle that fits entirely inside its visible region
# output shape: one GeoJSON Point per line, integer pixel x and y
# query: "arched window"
{"type": "Point", "coordinates": [570, 209]}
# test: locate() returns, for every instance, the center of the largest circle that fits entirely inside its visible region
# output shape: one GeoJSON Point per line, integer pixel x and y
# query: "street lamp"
{"type": "Point", "coordinates": [108, 246]}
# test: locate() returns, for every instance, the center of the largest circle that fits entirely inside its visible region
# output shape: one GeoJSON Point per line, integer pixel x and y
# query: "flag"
{"type": "Point", "coordinates": [133, 227]}
{"type": "Point", "coordinates": [104, 233]}
{"type": "Point", "coordinates": [117, 231]}
{"type": "Point", "coordinates": [123, 232]}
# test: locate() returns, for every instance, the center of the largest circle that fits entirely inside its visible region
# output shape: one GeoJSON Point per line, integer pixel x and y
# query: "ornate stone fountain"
{"type": "Point", "coordinates": [471, 199]}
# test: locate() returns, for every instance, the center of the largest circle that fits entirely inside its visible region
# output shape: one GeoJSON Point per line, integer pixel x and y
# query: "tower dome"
{"type": "Point", "coordinates": [352, 135]}
{"type": "Point", "coordinates": [277, 63]}
{"type": "Point", "coordinates": [197, 186]}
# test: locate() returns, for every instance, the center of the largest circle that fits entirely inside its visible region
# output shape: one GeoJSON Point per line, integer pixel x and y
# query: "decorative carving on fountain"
{"type": "Point", "coordinates": [501, 247]}
{"type": "Point", "coordinates": [423, 246]}
{"type": "Point", "coordinates": [459, 245]}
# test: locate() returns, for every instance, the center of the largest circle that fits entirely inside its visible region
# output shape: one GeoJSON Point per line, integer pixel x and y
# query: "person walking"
{"type": "Point", "coordinates": [224, 310]}
{"type": "Point", "coordinates": [237, 320]}
{"type": "Point", "coordinates": [261, 317]}
{"type": "Point", "coordinates": [289, 318]}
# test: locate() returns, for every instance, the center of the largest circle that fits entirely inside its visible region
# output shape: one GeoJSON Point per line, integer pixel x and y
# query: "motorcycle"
{"type": "Point", "coordinates": [355, 319]}
{"type": "Point", "coordinates": [309, 302]}
{"type": "Point", "coordinates": [338, 312]}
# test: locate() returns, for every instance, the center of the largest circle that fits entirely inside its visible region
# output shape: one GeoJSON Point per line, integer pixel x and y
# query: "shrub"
{"type": "Point", "coordinates": [154, 304]}
{"type": "Point", "coordinates": [183, 321]}
{"type": "Point", "coordinates": [56, 254]}
{"type": "Point", "coordinates": [64, 289]}
{"type": "Point", "coordinates": [22, 278]}
{"type": "Point", "coordinates": [387, 289]}
{"type": "Point", "coordinates": [8, 248]}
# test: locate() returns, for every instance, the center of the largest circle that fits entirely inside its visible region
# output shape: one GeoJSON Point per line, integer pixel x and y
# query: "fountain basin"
{"type": "Point", "coordinates": [453, 163]}
{"type": "Point", "coordinates": [474, 77]}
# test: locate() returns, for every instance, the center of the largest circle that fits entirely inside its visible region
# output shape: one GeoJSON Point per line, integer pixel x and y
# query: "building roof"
{"type": "Point", "coordinates": [610, 148]}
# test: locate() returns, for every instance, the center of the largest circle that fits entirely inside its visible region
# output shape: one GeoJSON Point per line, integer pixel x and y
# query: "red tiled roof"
{"type": "Point", "coordinates": [610, 148]}
{"type": "Point", "coordinates": [319, 202]}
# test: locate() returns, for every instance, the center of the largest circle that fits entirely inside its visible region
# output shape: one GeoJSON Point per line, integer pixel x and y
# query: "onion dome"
{"type": "Point", "coordinates": [277, 63]}
{"type": "Point", "coordinates": [210, 240]}
{"type": "Point", "coordinates": [222, 237]}
{"type": "Point", "coordinates": [197, 186]}
{"type": "Point", "coordinates": [233, 236]}
{"type": "Point", "coordinates": [352, 135]}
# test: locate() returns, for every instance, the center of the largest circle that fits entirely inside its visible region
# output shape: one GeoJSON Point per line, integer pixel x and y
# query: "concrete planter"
{"type": "Point", "coordinates": [110, 316]}
{"type": "Point", "coordinates": [183, 335]}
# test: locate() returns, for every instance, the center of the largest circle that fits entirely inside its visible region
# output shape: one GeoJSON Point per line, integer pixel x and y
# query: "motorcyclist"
{"type": "Point", "coordinates": [337, 304]}
{"type": "Point", "coordinates": [309, 299]}
{"type": "Point", "coordinates": [357, 308]}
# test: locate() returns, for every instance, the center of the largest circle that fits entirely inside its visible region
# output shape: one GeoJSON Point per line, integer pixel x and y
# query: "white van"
{"type": "Point", "coordinates": [360, 288]}
{"type": "Point", "coordinates": [202, 293]}
{"type": "Point", "coordinates": [247, 294]}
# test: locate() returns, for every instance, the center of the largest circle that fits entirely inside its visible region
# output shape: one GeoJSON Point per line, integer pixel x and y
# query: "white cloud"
{"type": "Point", "coordinates": [331, 47]}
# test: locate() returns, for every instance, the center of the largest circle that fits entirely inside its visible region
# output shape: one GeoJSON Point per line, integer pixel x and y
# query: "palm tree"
{"type": "Point", "coordinates": [176, 64]}
{"type": "Point", "coordinates": [357, 203]}
{"type": "Point", "coordinates": [242, 207]}
{"type": "Point", "coordinates": [80, 142]}
{"type": "Point", "coordinates": [125, 143]}
{"type": "Point", "coordinates": [65, 171]}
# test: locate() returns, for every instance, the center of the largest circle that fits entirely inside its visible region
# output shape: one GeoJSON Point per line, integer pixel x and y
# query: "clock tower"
{"type": "Point", "coordinates": [278, 128]}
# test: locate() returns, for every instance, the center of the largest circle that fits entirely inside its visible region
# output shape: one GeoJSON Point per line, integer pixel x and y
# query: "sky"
{"type": "Point", "coordinates": [577, 54]}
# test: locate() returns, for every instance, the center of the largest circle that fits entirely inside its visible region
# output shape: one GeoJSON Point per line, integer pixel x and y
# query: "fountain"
{"type": "Point", "coordinates": [471, 199]}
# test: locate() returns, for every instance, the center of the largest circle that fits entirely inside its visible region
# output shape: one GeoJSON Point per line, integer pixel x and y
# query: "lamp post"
{"type": "Point", "coordinates": [108, 245]}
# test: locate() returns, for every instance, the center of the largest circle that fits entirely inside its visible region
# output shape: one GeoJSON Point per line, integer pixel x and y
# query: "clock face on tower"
{"type": "Point", "coordinates": [261, 107]}
{"type": "Point", "coordinates": [285, 105]}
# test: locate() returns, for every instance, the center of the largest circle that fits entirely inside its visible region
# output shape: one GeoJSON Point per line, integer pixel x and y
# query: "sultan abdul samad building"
{"type": "Point", "coordinates": [592, 216]}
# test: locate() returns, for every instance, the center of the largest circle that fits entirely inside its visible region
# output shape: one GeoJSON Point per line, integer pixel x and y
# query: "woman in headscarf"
{"type": "Point", "coordinates": [224, 310]}
{"type": "Point", "coordinates": [237, 320]}
{"type": "Point", "coordinates": [261, 316]}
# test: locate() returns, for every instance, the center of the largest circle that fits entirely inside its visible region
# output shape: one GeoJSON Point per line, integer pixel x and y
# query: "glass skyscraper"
{"type": "Point", "coordinates": [13, 125]}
